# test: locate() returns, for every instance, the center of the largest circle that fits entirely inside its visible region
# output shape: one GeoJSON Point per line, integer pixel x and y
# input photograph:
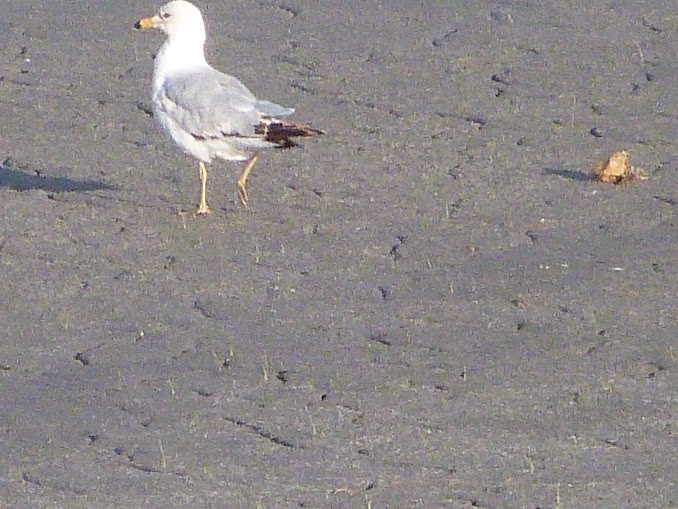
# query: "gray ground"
{"type": "Point", "coordinates": [431, 306]}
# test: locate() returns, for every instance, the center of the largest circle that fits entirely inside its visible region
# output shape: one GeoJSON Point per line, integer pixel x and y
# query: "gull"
{"type": "Point", "coordinates": [207, 113]}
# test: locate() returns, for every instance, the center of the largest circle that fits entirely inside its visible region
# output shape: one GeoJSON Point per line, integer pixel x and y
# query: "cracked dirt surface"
{"type": "Point", "coordinates": [434, 305]}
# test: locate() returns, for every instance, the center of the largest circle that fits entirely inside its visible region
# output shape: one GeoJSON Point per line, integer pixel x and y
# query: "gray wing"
{"type": "Point", "coordinates": [211, 105]}
{"type": "Point", "coordinates": [273, 109]}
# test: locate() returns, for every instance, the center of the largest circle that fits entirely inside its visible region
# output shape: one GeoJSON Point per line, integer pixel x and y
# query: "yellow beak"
{"type": "Point", "coordinates": [145, 23]}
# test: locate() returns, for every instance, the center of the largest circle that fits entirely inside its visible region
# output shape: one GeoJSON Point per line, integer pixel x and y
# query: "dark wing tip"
{"type": "Point", "coordinates": [281, 133]}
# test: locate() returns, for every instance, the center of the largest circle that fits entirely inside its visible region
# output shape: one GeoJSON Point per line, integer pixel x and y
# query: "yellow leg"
{"type": "Point", "coordinates": [203, 209]}
{"type": "Point", "coordinates": [242, 180]}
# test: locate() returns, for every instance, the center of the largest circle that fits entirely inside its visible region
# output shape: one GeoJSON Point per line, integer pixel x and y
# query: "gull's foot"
{"type": "Point", "coordinates": [203, 210]}
{"type": "Point", "coordinates": [242, 194]}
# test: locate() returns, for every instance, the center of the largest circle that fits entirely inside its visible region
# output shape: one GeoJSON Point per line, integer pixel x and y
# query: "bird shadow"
{"type": "Point", "coordinates": [579, 176]}
{"type": "Point", "coordinates": [12, 176]}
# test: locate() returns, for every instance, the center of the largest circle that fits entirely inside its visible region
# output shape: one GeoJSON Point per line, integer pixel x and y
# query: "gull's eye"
{"type": "Point", "coordinates": [166, 15]}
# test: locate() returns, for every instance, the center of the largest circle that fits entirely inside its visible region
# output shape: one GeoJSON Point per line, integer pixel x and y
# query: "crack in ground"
{"type": "Point", "coordinates": [155, 470]}
{"type": "Point", "coordinates": [52, 484]}
{"type": "Point", "coordinates": [262, 433]}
